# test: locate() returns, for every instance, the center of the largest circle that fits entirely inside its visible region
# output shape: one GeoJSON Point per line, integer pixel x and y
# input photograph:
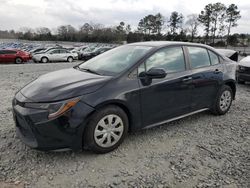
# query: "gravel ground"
{"type": "Point", "coordinates": [198, 151]}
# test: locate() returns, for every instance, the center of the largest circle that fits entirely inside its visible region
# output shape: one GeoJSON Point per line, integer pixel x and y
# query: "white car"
{"type": "Point", "coordinates": [243, 70]}
{"type": "Point", "coordinates": [55, 55]}
{"type": "Point", "coordinates": [231, 54]}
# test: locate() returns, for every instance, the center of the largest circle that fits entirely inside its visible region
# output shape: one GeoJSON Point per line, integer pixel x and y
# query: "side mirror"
{"type": "Point", "coordinates": [155, 73]}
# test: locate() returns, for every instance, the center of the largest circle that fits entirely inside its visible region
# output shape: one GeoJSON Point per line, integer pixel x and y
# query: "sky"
{"type": "Point", "coordinates": [15, 14]}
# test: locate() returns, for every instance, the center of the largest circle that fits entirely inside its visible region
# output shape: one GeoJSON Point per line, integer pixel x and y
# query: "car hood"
{"type": "Point", "coordinates": [63, 84]}
{"type": "Point", "coordinates": [244, 63]}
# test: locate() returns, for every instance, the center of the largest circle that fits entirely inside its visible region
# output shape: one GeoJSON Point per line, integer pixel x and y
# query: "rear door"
{"type": "Point", "coordinates": [168, 97]}
{"type": "Point", "coordinates": [1, 56]}
{"type": "Point", "coordinates": [206, 77]}
{"type": "Point", "coordinates": [9, 56]}
{"type": "Point", "coordinates": [63, 55]}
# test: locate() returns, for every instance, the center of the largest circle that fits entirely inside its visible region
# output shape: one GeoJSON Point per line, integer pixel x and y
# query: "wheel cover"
{"type": "Point", "coordinates": [44, 60]}
{"type": "Point", "coordinates": [225, 100]}
{"type": "Point", "coordinates": [18, 60]}
{"type": "Point", "coordinates": [108, 131]}
{"type": "Point", "coordinates": [70, 59]}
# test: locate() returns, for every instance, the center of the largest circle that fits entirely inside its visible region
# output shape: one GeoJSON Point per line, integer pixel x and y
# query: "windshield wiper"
{"type": "Point", "coordinates": [88, 70]}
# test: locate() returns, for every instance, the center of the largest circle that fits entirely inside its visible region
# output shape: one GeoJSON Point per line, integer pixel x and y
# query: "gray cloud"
{"type": "Point", "coordinates": [52, 13]}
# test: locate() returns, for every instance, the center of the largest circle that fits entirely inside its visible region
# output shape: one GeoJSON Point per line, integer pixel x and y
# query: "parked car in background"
{"type": "Point", "coordinates": [87, 50]}
{"type": "Point", "coordinates": [131, 87]}
{"type": "Point", "coordinates": [231, 54]}
{"type": "Point", "coordinates": [94, 53]}
{"type": "Point", "coordinates": [55, 55]}
{"type": "Point", "coordinates": [14, 56]}
{"type": "Point", "coordinates": [79, 50]}
{"type": "Point", "coordinates": [243, 70]}
{"type": "Point", "coordinates": [37, 50]}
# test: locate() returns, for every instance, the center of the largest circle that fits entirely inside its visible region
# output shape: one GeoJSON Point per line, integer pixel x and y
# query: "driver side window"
{"type": "Point", "coordinates": [171, 59]}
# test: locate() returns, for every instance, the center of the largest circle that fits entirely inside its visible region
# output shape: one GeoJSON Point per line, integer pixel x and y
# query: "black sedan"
{"type": "Point", "coordinates": [135, 86]}
{"type": "Point", "coordinates": [94, 53]}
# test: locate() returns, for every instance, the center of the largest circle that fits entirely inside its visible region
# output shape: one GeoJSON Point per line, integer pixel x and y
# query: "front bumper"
{"type": "Point", "coordinates": [36, 131]}
{"type": "Point", "coordinates": [36, 59]}
{"type": "Point", "coordinates": [26, 58]}
{"type": "Point", "coordinates": [242, 76]}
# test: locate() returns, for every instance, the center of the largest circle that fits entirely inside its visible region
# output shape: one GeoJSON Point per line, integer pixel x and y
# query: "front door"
{"type": "Point", "coordinates": [54, 55]}
{"type": "Point", "coordinates": [168, 97]}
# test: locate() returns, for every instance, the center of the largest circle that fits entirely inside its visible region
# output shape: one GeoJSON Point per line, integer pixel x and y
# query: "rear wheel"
{"type": "Point", "coordinates": [44, 60]}
{"type": "Point", "coordinates": [223, 101]}
{"type": "Point", "coordinates": [106, 129]}
{"type": "Point", "coordinates": [70, 59]}
{"type": "Point", "coordinates": [18, 60]}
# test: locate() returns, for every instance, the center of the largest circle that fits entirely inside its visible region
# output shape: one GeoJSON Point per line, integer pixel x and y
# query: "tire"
{"type": "Point", "coordinates": [100, 136]}
{"type": "Point", "coordinates": [70, 59]}
{"type": "Point", "coordinates": [44, 60]}
{"type": "Point", "coordinates": [18, 60]}
{"type": "Point", "coordinates": [223, 101]}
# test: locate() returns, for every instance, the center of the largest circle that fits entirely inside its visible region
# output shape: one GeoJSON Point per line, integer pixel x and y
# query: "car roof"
{"type": "Point", "coordinates": [165, 43]}
{"type": "Point", "coordinates": [10, 50]}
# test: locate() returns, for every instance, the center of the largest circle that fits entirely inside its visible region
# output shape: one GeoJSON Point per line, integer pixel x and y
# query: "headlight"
{"type": "Point", "coordinates": [241, 68]}
{"type": "Point", "coordinates": [54, 109]}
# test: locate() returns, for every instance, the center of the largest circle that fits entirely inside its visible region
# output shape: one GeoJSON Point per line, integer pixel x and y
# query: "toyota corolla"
{"type": "Point", "coordinates": [136, 86]}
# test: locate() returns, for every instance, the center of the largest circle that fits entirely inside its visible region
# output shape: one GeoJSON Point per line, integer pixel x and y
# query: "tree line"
{"type": "Point", "coordinates": [216, 21]}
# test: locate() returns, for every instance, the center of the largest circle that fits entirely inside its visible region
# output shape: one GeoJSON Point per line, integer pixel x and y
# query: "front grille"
{"type": "Point", "coordinates": [245, 70]}
{"type": "Point", "coordinates": [16, 102]}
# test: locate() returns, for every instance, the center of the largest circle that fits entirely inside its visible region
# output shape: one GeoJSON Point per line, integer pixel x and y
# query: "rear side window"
{"type": "Point", "coordinates": [8, 52]}
{"type": "Point", "coordinates": [63, 51]}
{"type": "Point", "coordinates": [171, 59]}
{"type": "Point", "coordinates": [198, 57]}
{"type": "Point", "coordinates": [214, 58]}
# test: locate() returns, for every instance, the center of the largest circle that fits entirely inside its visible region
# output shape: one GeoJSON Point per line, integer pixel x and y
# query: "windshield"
{"type": "Point", "coordinates": [116, 60]}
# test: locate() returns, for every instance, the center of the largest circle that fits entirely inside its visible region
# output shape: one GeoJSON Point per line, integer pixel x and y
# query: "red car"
{"type": "Point", "coordinates": [14, 56]}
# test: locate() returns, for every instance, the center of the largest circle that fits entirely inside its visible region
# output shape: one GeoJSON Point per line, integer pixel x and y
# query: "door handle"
{"type": "Point", "coordinates": [187, 79]}
{"type": "Point", "coordinates": [217, 71]}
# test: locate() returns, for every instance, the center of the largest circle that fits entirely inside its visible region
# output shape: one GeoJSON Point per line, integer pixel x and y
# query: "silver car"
{"type": "Point", "coordinates": [55, 55]}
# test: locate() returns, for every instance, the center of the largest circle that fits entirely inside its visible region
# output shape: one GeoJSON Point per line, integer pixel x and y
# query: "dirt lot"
{"type": "Point", "coordinates": [199, 151]}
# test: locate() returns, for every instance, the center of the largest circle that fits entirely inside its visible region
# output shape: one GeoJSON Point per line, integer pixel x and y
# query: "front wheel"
{"type": "Point", "coordinates": [106, 129]}
{"type": "Point", "coordinates": [70, 59]}
{"type": "Point", "coordinates": [18, 60]}
{"type": "Point", "coordinates": [223, 101]}
{"type": "Point", "coordinates": [44, 60]}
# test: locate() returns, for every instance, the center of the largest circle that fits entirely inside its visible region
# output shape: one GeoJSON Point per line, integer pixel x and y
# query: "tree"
{"type": "Point", "coordinates": [232, 16]}
{"type": "Point", "coordinates": [121, 28]}
{"type": "Point", "coordinates": [159, 22]}
{"type": "Point", "coordinates": [128, 29]}
{"type": "Point", "coordinates": [205, 19]}
{"type": "Point", "coordinates": [151, 24]}
{"type": "Point", "coordinates": [142, 26]}
{"type": "Point", "coordinates": [217, 16]}
{"type": "Point", "coordinates": [66, 32]}
{"type": "Point", "coordinates": [233, 40]}
{"type": "Point", "coordinates": [43, 31]}
{"type": "Point", "coordinates": [175, 22]}
{"type": "Point", "coordinates": [192, 24]}
{"type": "Point", "coordinates": [86, 28]}
{"type": "Point", "coordinates": [27, 33]}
